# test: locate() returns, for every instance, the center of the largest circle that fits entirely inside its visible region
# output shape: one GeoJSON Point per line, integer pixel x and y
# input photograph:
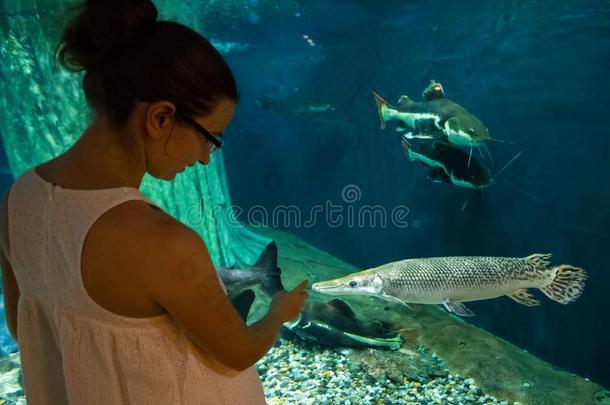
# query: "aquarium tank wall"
{"type": "Point", "coordinates": [369, 133]}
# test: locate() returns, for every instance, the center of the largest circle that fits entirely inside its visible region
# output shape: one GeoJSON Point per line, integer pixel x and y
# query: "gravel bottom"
{"type": "Point", "coordinates": [11, 383]}
{"type": "Point", "coordinates": [293, 373]}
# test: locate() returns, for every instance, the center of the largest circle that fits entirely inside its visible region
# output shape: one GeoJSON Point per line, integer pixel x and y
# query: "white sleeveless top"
{"type": "Point", "coordinates": [73, 351]}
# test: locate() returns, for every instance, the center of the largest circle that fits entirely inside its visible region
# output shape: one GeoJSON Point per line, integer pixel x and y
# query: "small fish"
{"type": "Point", "coordinates": [450, 281]}
{"type": "Point", "coordinates": [264, 274]}
{"type": "Point", "coordinates": [334, 323]}
{"type": "Point", "coordinates": [450, 165]}
{"type": "Point", "coordinates": [435, 118]}
{"type": "Point", "coordinates": [294, 104]}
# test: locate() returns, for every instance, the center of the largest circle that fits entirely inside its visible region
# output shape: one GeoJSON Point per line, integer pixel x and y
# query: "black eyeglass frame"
{"type": "Point", "coordinates": [212, 138]}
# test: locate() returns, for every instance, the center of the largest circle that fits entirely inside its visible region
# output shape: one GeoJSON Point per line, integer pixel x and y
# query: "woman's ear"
{"type": "Point", "coordinates": [159, 117]}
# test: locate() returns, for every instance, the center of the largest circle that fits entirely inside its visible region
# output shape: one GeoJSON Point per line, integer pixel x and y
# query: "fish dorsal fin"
{"type": "Point", "coordinates": [268, 256]}
{"type": "Point", "coordinates": [405, 104]}
{"type": "Point", "coordinates": [433, 91]}
{"type": "Point", "coordinates": [524, 297]}
{"type": "Point", "coordinates": [343, 307]}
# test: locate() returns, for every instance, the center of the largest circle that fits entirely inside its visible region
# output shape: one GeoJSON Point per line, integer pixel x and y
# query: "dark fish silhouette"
{"type": "Point", "coordinates": [264, 274]}
{"type": "Point", "coordinates": [294, 104]}
{"type": "Point", "coordinates": [334, 323]}
{"type": "Point", "coordinates": [450, 165]}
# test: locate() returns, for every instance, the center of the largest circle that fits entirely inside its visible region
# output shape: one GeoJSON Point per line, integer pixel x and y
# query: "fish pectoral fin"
{"type": "Point", "coordinates": [294, 323]}
{"type": "Point", "coordinates": [343, 307]}
{"type": "Point", "coordinates": [457, 308]}
{"type": "Point", "coordinates": [524, 297]}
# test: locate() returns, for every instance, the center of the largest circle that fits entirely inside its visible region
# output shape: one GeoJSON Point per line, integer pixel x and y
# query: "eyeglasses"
{"type": "Point", "coordinates": [215, 142]}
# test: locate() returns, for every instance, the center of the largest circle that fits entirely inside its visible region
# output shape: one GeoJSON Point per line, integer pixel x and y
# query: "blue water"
{"type": "Point", "coordinates": [535, 72]}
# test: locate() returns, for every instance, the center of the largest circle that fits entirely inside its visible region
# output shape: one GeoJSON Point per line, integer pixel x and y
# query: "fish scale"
{"type": "Point", "coordinates": [454, 275]}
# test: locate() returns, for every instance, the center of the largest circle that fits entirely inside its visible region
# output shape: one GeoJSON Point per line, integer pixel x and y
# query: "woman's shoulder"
{"type": "Point", "coordinates": [153, 242]}
{"type": "Point", "coordinates": [153, 238]}
{"type": "Point", "coordinates": [144, 221]}
{"type": "Point", "coordinates": [135, 234]}
{"type": "Point", "coordinates": [124, 252]}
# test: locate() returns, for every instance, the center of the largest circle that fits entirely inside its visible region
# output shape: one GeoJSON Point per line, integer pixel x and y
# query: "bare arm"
{"type": "Point", "coordinates": [185, 282]}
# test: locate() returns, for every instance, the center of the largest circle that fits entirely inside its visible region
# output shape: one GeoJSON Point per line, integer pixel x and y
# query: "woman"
{"type": "Point", "coordinates": [118, 302]}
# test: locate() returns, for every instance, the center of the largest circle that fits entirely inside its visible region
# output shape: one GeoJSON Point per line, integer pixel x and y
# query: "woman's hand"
{"type": "Point", "coordinates": [287, 304]}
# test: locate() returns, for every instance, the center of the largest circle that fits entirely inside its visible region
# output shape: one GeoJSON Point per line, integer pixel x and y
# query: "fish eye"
{"type": "Point", "coordinates": [353, 284]}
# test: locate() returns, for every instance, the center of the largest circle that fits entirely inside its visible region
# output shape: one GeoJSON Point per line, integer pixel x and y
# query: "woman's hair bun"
{"type": "Point", "coordinates": [103, 27]}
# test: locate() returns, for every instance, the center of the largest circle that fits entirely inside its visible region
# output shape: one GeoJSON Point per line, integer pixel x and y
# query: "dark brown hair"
{"type": "Point", "coordinates": [128, 55]}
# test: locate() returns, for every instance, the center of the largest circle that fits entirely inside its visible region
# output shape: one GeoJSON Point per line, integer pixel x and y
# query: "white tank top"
{"type": "Point", "coordinates": [73, 351]}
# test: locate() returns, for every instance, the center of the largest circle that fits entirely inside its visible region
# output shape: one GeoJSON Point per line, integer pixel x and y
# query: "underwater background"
{"type": "Point", "coordinates": [306, 133]}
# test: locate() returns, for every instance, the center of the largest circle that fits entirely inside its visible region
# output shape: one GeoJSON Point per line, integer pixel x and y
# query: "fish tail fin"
{"type": "Point", "coordinates": [271, 281]}
{"type": "Point", "coordinates": [567, 285]}
{"type": "Point", "coordinates": [381, 106]}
